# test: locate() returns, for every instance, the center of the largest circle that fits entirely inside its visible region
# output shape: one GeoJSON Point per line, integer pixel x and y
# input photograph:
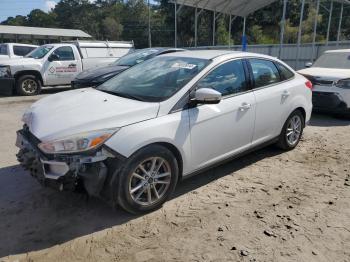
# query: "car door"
{"type": "Point", "coordinates": [222, 130]}
{"type": "Point", "coordinates": [272, 94]}
{"type": "Point", "coordinates": [64, 68]}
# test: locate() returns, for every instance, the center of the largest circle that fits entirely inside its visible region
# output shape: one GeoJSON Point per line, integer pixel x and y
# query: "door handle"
{"type": "Point", "coordinates": [285, 94]}
{"type": "Point", "coordinates": [245, 106]}
{"type": "Point", "coordinates": [72, 65]}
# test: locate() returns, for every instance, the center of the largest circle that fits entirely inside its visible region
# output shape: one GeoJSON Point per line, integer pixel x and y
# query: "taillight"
{"type": "Point", "coordinates": [308, 84]}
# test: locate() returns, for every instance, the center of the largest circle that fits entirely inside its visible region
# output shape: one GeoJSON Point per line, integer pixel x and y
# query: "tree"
{"type": "Point", "coordinates": [128, 20]}
{"type": "Point", "coordinates": [19, 20]}
{"type": "Point", "coordinates": [39, 18]}
{"type": "Point", "coordinates": [112, 29]}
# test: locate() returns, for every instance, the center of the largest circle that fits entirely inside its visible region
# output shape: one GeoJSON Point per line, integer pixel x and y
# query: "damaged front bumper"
{"type": "Point", "coordinates": [329, 102]}
{"type": "Point", "coordinates": [89, 171]}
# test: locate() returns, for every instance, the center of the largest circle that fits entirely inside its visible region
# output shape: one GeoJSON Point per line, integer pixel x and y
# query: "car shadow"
{"type": "Point", "coordinates": [327, 120]}
{"type": "Point", "coordinates": [35, 218]}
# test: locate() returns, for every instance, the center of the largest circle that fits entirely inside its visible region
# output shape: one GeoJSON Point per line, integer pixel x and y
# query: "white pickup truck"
{"type": "Point", "coordinates": [12, 50]}
{"type": "Point", "coordinates": [56, 65]}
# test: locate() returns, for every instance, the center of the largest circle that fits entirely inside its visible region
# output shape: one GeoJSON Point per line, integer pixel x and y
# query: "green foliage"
{"type": "Point", "coordinates": [128, 20]}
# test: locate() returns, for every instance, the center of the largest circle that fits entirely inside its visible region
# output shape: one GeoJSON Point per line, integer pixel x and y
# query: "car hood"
{"type": "Point", "coordinates": [20, 61]}
{"type": "Point", "coordinates": [100, 71]}
{"type": "Point", "coordinates": [332, 74]}
{"type": "Point", "coordinates": [84, 110]}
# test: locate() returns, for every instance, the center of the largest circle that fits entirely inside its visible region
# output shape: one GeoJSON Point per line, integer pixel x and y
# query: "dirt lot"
{"type": "Point", "coordinates": [266, 206]}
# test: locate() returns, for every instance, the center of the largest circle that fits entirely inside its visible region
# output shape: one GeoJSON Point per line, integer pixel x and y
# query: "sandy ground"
{"type": "Point", "coordinates": [266, 206]}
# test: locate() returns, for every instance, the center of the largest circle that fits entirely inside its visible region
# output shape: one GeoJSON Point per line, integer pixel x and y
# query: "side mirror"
{"type": "Point", "coordinates": [53, 57]}
{"type": "Point", "coordinates": [206, 96]}
{"type": "Point", "coordinates": [308, 64]}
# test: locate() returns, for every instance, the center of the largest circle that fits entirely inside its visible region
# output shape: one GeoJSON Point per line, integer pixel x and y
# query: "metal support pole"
{"type": "Point", "coordinates": [315, 31]}
{"type": "Point", "coordinates": [175, 38]}
{"type": "Point", "coordinates": [195, 27]}
{"type": "Point", "coordinates": [329, 23]}
{"type": "Point", "coordinates": [214, 26]}
{"type": "Point", "coordinates": [300, 31]}
{"type": "Point", "coordinates": [149, 26]}
{"type": "Point", "coordinates": [244, 25]}
{"type": "Point", "coordinates": [229, 31]}
{"type": "Point", "coordinates": [340, 21]}
{"type": "Point", "coordinates": [244, 38]}
{"type": "Point", "coordinates": [283, 25]}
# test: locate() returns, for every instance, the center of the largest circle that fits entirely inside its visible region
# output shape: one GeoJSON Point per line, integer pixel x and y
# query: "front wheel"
{"type": "Point", "coordinates": [28, 85]}
{"type": "Point", "coordinates": [147, 180]}
{"type": "Point", "coordinates": [292, 131]}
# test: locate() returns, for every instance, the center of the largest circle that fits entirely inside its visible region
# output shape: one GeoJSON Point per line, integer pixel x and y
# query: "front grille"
{"type": "Point", "coordinates": [322, 82]}
{"type": "Point", "coordinates": [326, 100]}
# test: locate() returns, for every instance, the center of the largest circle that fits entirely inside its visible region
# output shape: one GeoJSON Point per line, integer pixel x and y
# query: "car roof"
{"type": "Point", "coordinates": [19, 44]}
{"type": "Point", "coordinates": [161, 49]}
{"type": "Point", "coordinates": [212, 54]}
{"type": "Point", "coordinates": [338, 51]}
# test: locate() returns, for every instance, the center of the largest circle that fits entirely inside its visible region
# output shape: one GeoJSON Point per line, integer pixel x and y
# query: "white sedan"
{"type": "Point", "coordinates": [131, 139]}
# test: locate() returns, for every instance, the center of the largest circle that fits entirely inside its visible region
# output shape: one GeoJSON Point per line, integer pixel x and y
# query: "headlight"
{"type": "Point", "coordinates": [5, 71]}
{"type": "Point", "coordinates": [344, 83]}
{"type": "Point", "coordinates": [77, 143]}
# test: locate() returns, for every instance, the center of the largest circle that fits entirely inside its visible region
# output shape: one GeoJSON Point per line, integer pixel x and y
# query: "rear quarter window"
{"type": "Point", "coordinates": [21, 50]}
{"type": "Point", "coordinates": [284, 71]}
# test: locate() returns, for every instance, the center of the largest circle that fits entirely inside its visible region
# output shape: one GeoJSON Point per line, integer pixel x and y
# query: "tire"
{"type": "Point", "coordinates": [28, 85]}
{"type": "Point", "coordinates": [287, 142]}
{"type": "Point", "coordinates": [129, 179]}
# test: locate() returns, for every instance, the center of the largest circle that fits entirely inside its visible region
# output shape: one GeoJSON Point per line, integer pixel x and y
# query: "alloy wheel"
{"type": "Point", "coordinates": [294, 128]}
{"type": "Point", "coordinates": [150, 181]}
{"type": "Point", "coordinates": [29, 86]}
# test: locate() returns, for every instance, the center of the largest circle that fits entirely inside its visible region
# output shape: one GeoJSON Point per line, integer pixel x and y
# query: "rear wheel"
{"type": "Point", "coordinates": [292, 131]}
{"type": "Point", "coordinates": [28, 85]}
{"type": "Point", "coordinates": [148, 180]}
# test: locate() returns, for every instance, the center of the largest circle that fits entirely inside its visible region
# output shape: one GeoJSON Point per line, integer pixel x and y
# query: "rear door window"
{"type": "Point", "coordinates": [264, 72]}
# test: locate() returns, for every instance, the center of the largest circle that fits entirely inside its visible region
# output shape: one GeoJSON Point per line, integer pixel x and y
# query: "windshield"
{"type": "Point", "coordinates": [339, 60]}
{"type": "Point", "coordinates": [136, 57]}
{"type": "Point", "coordinates": [3, 49]}
{"type": "Point", "coordinates": [156, 79]}
{"type": "Point", "coordinates": [40, 51]}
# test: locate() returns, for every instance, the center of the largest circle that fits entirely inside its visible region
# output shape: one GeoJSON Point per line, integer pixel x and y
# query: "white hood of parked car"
{"type": "Point", "coordinates": [84, 110]}
{"type": "Point", "coordinates": [326, 73]}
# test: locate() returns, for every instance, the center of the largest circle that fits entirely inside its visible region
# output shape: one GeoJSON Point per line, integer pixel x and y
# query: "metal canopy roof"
{"type": "Point", "coordinates": [231, 7]}
{"type": "Point", "coordinates": [240, 8]}
{"type": "Point", "coordinates": [41, 31]}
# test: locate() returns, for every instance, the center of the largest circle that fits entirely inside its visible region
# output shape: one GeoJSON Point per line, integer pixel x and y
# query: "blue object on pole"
{"type": "Point", "coordinates": [244, 43]}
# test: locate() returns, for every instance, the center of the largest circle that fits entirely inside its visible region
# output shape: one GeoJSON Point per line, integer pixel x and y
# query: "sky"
{"type": "Point", "coordinates": [23, 7]}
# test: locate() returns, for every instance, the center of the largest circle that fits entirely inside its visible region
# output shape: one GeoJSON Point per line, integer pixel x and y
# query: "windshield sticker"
{"type": "Point", "coordinates": [183, 66]}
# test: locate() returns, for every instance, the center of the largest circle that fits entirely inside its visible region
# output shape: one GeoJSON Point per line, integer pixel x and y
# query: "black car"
{"type": "Point", "coordinates": [99, 75]}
